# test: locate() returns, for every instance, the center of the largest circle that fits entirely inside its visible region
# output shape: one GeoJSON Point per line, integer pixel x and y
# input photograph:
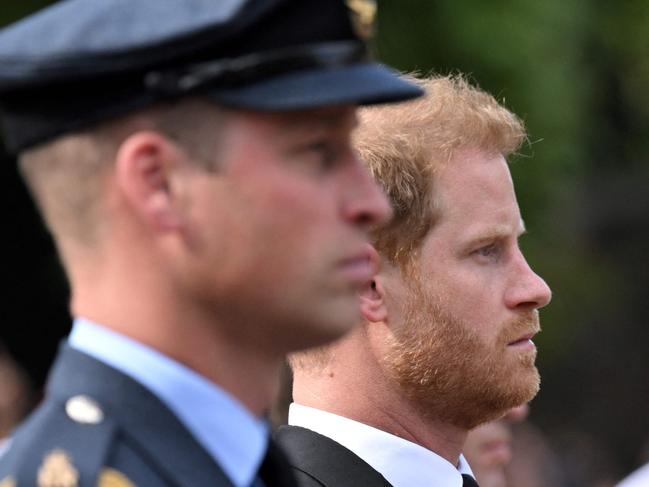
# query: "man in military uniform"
{"type": "Point", "coordinates": [192, 161]}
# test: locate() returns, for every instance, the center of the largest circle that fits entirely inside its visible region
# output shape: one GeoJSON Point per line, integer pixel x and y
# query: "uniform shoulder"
{"type": "Point", "coordinates": [64, 443]}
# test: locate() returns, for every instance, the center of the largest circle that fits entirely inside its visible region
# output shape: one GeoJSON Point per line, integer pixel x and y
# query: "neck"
{"type": "Point", "coordinates": [444, 439]}
{"type": "Point", "coordinates": [369, 397]}
{"type": "Point", "coordinates": [152, 314]}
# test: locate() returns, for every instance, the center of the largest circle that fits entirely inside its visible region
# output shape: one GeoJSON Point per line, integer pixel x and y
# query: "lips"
{"type": "Point", "coordinates": [522, 340]}
{"type": "Point", "coordinates": [359, 269]}
{"type": "Point", "coordinates": [522, 330]}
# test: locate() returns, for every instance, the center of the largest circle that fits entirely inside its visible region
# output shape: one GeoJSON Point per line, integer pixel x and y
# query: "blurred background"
{"type": "Point", "coordinates": [577, 72]}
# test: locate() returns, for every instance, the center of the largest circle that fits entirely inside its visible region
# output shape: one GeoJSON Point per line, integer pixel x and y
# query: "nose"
{"type": "Point", "coordinates": [528, 289]}
{"type": "Point", "coordinates": [365, 203]}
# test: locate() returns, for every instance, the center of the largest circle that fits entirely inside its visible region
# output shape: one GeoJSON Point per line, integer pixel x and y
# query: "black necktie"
{"type": "Point", "coordinates": [468, 481]}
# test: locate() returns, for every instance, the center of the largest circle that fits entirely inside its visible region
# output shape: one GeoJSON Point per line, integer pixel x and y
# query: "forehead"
{"type": "Point", "coordinates": [474, 191]}
{"type": "Point", "coordinates": [339, 118]}
{"type": "Point", "coordinates": [473, 179]}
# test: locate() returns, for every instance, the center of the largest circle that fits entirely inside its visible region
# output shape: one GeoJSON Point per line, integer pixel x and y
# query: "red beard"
{"type": "Point", "coordinates": [448, 371]}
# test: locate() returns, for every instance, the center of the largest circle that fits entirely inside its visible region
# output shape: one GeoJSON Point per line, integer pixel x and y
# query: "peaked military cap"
{"type": "Point", "coordinates": [82, 61]}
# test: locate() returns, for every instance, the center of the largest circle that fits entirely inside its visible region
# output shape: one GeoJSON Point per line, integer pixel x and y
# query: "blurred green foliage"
{"type": "Point", "coordinates": [11, 10]}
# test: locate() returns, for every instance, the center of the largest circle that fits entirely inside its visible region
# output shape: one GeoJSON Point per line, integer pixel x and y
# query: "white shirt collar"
{"type": "Point", "coordinates": [235, 438]}
{"type": "Point", "coordinates": [4, 445]}
{"type": "Point", "coordinates": [639, 478]}
{"type": "Point", "coordinates": [401, 462]}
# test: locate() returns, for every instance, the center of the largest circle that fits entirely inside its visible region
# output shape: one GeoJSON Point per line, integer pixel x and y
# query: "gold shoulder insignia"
{"type": "Point", "coordinates": [8, 482]}
{"type": "Point", "coordinates": [109, 477]}
{"type": "Point", "coordinates": [57, 471]}
{"type": "Point", "coordinates": [363, 17]}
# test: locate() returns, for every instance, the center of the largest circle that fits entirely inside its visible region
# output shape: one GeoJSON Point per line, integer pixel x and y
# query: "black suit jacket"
{"type": "Point", "coordinates": [137, 441]}
{"type": "Point", "coordinates": [319, 461]}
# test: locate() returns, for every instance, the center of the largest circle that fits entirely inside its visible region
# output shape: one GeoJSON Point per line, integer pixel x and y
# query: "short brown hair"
{"type": "Point", "coordinates": [66, 174]}
{"type": "Point", "coordinates": [404, 146]}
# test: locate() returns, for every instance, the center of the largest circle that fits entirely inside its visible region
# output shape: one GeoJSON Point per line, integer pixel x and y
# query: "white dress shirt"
{"type": "Point", "coordinates": [236, 439]}
{"type": "Point", "coordinates": [402, 462]}
{"type": "Point", "coordinates": [639, 478]}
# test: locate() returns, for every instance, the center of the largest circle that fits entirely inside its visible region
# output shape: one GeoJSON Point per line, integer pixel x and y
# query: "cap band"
{"type": "Point", "coordinates": [254, 67]}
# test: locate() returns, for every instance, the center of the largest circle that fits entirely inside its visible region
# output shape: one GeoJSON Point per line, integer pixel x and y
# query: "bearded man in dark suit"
{"type": "Point", "coordinates": [448, 321]}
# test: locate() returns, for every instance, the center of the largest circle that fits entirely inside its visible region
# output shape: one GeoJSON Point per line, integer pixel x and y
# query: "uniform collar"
{"type": "Point", "coordinates": [232, 436]}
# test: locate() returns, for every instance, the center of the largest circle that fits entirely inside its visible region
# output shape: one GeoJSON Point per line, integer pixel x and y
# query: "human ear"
{"type": "Point", "coordinates": [144, 165]}
{"type": "Point", "coordinates": [372, 296]}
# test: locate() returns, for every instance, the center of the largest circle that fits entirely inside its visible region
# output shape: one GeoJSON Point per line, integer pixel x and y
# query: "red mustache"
{"type": "Point", "coordinates": [525, 327]}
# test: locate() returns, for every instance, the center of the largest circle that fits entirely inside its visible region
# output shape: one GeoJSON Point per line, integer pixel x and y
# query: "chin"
{"type": "Point", "coordinates": [321, 332]}
{"type": "Point", "coordinates": [530, 387]}
{"type": "Point", "coordinates": [493, 403]}
{"type": "Point", "coordinates": [522, 389]}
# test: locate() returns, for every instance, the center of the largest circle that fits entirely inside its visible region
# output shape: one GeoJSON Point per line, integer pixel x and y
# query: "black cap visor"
{"type": "Point", "coordinates": [359, 84]}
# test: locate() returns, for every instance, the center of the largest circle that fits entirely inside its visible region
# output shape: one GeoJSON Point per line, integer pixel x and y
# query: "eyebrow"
{"type": "Point", "coordinates": [494, 232]}
{"type": "Point", "coordinates": [326, 119]}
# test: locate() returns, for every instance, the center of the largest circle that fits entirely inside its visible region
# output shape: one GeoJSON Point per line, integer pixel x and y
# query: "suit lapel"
{"type": "Point", "coordinates": [329, 462]}
{"type": "Point", "coordinates": [141, 416]}
{"type": "Point", "coordinates": [276, 471]}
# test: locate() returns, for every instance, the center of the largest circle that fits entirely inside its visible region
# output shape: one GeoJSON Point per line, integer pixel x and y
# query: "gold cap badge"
{"type": "Point", "coordinates": [83, 409]}
{"type": "Point", "coordinates": [363, 17]}
{"type": "Point", "coordinates": [110, 477]}
{"type": "Point", "coordinates": [57, 471]}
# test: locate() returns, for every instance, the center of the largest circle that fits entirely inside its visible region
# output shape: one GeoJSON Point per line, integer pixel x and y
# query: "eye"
{"type": "Point", "coordinates": [324, 153]}
{"type": "Point", "coordinates": [491, 251]}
